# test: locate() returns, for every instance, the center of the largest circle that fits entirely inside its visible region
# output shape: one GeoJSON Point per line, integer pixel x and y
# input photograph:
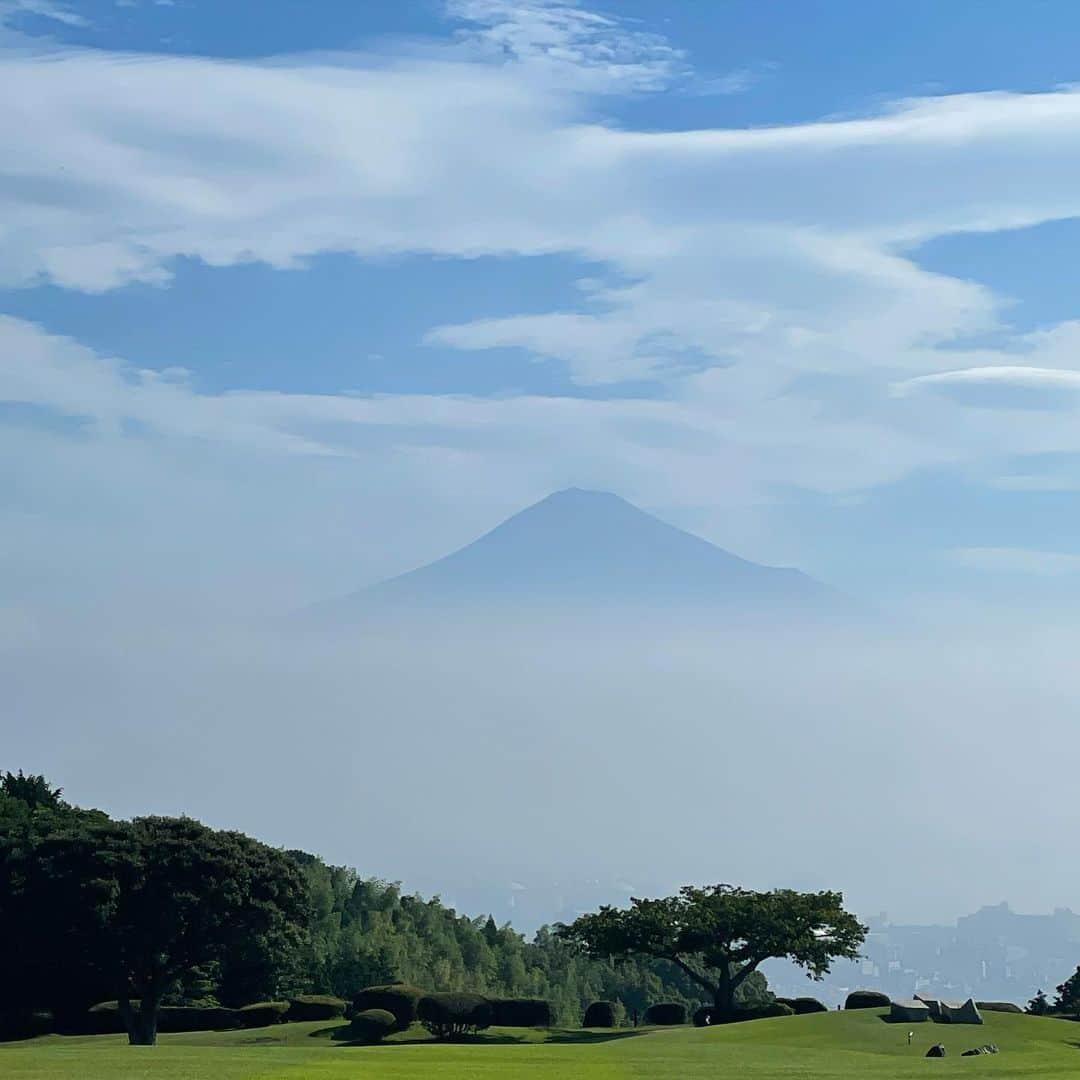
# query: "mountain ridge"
{"type": "Point", "coordinates": [582, 548]}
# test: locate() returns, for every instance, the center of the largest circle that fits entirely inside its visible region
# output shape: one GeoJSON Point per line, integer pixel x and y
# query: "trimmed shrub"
{"type": "Point", "coordinates": [262, 1014]}
{"type": "Point", "coordinates": [806, 1005]}
{"type": "Point", "coordinates": [666, 1012]}
{"type": "Point", "coordinates": [708, 1015]}
{"type": "Point", "coordinates": [197, 1018]}
{"type": "Point", "coordinates": [18, 1024]}
{"type": "Point", "coordinates": [399, 999]}
{"type": "Point", "coordinates": [371, 1026]}
{"type": "Point", "coordinates": [450, 1016]}
{"type": "Point", "coordinates": [867, 999]}
{"type": "Point", "coordinates": [764, 1012]}
{"type": "Point", "coordinates": [315, 1007]}
{"type": "Point", "coordinates": [703, 1016]}
{"type": "Point", "coordinates": [601, 1014]}
{"type": "Point", "coordinates": [521, 1012]}
{"type": "Point", "coordinates": [105, 1019]}
{"type": "Point", "coordinates": [998, 1006]}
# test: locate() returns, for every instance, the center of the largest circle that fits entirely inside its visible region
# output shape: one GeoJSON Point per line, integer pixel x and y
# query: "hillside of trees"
{"type": "Point", "coordinates": [77, 888]}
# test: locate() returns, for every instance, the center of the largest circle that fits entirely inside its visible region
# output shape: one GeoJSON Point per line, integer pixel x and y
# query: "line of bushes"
{"type": "Point", "coordinates": [446, 1016]}
{"type": "Point", "coordinates": [708, 1015]}
{"type": "Point", "coordinates": [105, 1019]}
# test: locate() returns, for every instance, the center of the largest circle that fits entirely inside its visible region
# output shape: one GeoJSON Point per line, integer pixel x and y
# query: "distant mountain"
{"type": "Point", "coordinates": [588, 549]}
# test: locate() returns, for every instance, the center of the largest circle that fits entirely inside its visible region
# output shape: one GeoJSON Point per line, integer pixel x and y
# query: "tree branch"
{"type": "Point", "coordinates": [694, 974]}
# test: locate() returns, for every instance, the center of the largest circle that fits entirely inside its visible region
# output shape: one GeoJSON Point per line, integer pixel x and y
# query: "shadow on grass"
{"type": "Point", "coordinates": [484, 1038]}
{"type": "Point", "coordinates": [332, 1032]}
{"type": "Point", "coordinates": [590, 1036]}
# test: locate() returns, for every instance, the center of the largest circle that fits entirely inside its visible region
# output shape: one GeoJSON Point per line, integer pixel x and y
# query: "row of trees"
{"type": "Point", "coordinates": [160, 911]}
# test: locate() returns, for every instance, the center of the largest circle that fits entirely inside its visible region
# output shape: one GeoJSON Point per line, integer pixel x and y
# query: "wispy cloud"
{"type": "Point", "coordinates": [736, 264]}
{"type": "Point", "coordinates": [580, 48]}
{"type": "Point", "coordinates": [45, 9]}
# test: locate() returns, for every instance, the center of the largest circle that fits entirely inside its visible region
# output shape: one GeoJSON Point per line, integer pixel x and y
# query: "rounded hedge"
{"type": "Point", "coordinates": [666, 1012]}
{"type": "Point", "coordinates": [262, 1014]}
{"type": "Point", "coordinates": [867, 999]}
{"type": "Point", "coordinates": [450, 1016]}
{"type": "Point", "coordinates": [105, 1019]}
{"type": "Point", "coordinates": [708, 1015]}
{"type": "Point", "coordinates": [521, 1012]}
{"type": "Point", "coordinates": [765, 1012]}
{"type": "Point", "coordinates": [371, 1026]}
{"type": "Point", "coordinates": [805, 1005]}
{"type": "Point", "coordinates": [175, 1018]}
{"type": "Point", "coordinates": [601, 1014]}
{"type": "Point", "coordinates": [315, 1007]}
{"type": "Point", "coordinates": [399, 999]}
{"type": "Point", "coordinates": [998, 1006]}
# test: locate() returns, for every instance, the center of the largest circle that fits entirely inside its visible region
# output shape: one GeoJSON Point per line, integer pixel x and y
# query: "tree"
{"type": "Point", "coordinates": [141, 904]}
{"type": "Point", "coordinates": [718, 935]}
{"type": "Point", "coordinates": [1068, 995]}
{"type": "Point", "coordinates": [35, 791]}
{"type": "Point", "coordinates": [1038, 1005]}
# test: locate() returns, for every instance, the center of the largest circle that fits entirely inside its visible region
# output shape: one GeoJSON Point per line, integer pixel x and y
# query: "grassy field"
{"type": "Point", "coordinates": [852, 1046]}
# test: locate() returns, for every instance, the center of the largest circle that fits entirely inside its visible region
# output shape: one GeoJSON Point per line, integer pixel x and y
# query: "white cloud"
{"type": "Point", "coordinates": [569, 45]}
{"type": "Point", "coordinates": [742, 264]}
{"type": "Point", "coordinates": [1029, 378]}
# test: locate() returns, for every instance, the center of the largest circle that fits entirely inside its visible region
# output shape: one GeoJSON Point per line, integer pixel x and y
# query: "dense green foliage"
{"type": "Point", "coordinates": [763, 1012]}
{"type": "Point", "coordinates": [371, 1026]}
{"type": "Point", "coordinates": [708, 1015]}
{"type": "Point", "coordinates": [95, 908]}
{"type": "Point", "coordinates": [1068, 995]}
{"type": "Point", "coordinates": [452, 1016]}
{"type": "Point", "coordinates": [601, 1014]}
{"type": "Point", "coordinates": [262, 1013]}
{"type": "Point", "coordinates": [866, 999]}
{"type": "Point", "coordinates": [315, 1007]}
{"type": "Point", "coordinates": [398, 999]}
{"type": "Point", "coordinates": [521, 1012]}
{"type": "Point", "coordinates": [717, 936]}
{"type": "Point", "coordinates": [259, 926]}
{"type": "Point", "coordinates": [367, 932]}
{"type": "Point", "coordinates": [666, 1013]}
{"type": "Point", "coordinates": [1038, 1005]}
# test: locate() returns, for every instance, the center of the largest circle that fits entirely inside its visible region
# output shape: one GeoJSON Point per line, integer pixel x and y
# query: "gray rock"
{"type": "Point", "coordinates": [986, 1048]}
{"type": "Point", "coordinates": [936, 1051]}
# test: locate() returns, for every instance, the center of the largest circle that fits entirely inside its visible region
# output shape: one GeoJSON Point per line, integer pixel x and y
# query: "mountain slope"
{"type": "Point", "coordinates": [585, 549]}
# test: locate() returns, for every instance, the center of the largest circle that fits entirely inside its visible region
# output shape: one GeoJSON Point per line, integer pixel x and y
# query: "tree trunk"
{"type": "Point", "coordinates": [724, 995]}
{"type": "Point", "coordinates": [141, 1023]}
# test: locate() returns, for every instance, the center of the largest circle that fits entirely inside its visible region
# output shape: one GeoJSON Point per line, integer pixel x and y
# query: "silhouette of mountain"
{"type": "Point", "coordinates": [589, 549]}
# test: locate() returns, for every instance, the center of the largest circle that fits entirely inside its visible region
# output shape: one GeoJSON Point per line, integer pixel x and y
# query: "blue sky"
{"type": "Point", "coordinates": [296, 295]}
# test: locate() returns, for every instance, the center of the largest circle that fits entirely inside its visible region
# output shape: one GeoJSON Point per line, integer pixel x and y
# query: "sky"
{"type": "Point", "coordinates": [295, 296]}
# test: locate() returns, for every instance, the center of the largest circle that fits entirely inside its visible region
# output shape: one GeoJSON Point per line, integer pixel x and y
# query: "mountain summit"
{"type": "Point", "coordinates": [584, 549]}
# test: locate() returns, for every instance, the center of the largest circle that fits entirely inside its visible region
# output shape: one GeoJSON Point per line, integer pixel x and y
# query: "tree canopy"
{"type": "Point", "coordinates": [719, 935]}
{"type": "Point", "coordinates": [73, 882]}
{"type": "Point", "coordinates": [1068, 995]}
{"type": "Point", "coordinates": [132, 908]}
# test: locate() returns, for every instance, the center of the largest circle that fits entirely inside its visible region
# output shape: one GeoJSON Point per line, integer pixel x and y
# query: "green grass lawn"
{"type": "Point", "coordinates": [851, 1045]}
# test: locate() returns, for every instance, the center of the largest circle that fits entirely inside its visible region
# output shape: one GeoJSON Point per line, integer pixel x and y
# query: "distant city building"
{"type": "Point", "coordinates": [994, 954]}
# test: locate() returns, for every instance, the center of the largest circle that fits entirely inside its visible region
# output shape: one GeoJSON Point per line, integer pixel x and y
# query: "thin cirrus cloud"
{"type": "Point", "coordinates": [765, 281]}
